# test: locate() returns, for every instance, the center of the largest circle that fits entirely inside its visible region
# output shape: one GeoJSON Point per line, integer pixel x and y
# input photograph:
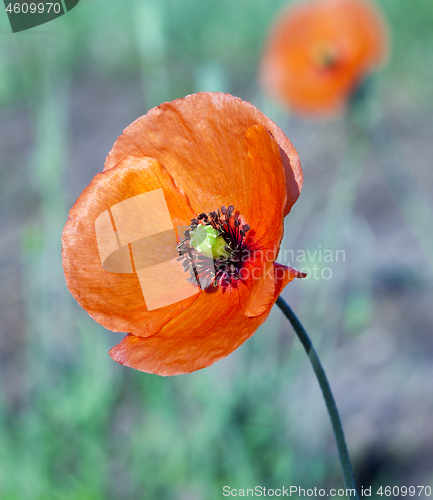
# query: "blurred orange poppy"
{"type": "Point", "coordinates": [217, 169]}
{"type": "Point", "coordinates": [319, 51]}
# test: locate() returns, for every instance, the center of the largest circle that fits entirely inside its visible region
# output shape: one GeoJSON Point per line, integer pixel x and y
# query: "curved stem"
{"type": "Point", "coordinates": [349, 481]}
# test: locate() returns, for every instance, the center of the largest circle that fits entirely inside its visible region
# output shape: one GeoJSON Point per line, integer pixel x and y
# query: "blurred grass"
{"type": "Point", "coordinates": [82, 427]}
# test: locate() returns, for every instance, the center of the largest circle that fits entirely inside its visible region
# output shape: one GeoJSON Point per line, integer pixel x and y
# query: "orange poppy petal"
{"type": "Point", "coordinates": [268, 287]}
{"type": "Point", "coordinates": [182, 347]}
{"type": "Point", "coordinates": [97, 262]}
{"type": "Point", "coordinates": [265, 214]}
{"type": "Point", "coordinates": [200, 140]}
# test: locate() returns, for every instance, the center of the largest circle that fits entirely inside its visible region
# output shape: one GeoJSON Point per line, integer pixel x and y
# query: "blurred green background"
{"type": "Point", "coordinates": [74, 425]}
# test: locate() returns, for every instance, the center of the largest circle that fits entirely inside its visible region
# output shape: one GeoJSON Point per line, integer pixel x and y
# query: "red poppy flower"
{"type": "Point", "coordinates": [319, 51]}
{"type": "Point", "coordinates": [217, 169]}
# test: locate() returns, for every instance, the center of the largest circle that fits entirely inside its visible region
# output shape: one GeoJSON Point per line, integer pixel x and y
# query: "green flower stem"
{"type": "Point", "coordinates": [349, 481]}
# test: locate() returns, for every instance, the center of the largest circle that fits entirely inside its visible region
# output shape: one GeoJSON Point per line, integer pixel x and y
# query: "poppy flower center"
{"type": "Point", "coordinates": [325, 54]}
{"type": "Point", "coordinates": [213, 249]}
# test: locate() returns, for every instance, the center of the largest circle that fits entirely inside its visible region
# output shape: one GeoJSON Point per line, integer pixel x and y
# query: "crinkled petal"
{"type": "Point", "coordinates": [265, 213]}
{"type": "Point", "coordinates": [182, 347]}
{"type": "Point", "coordinates": [97, 263]}
{"type": "Point", "coordinates": [200, 140]}
{"type": "Point", "coordinates": [268, 287]}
